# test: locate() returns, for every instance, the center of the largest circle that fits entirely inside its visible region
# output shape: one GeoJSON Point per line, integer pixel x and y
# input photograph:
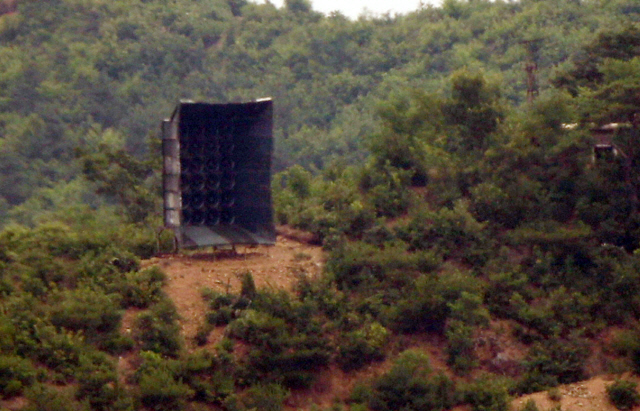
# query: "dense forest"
{"type": "Point", "coordinates": [449, 206]}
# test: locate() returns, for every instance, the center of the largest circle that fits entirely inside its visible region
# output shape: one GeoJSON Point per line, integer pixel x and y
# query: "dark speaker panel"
{"type": "Point", "coordinates": [225, 173]}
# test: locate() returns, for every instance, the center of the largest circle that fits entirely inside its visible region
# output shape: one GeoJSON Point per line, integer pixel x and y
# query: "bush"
{"type": "Point", "coordinates": [264, 397]}
{"type": "Point", "coordinates": [58, 349]}
{"type": "Point", "coordinates": [360, 265]}
{"type": "Point", "coordinates": [142, 288]}
{"type": "Point", "coordinates": [530, 405]}
{"type": "Point", "coordinates": [97, 381]}
{"type": "Point", "coordinates": [86, 309]}
{"type": "Point", "coordinates": [157, 329]}
{"type": "Point", "coordinates": [554, 394]}
{"type": "Point", "coordinates": [408, 386]}
{"type": "Point", "coordinates": [554, 362]}
{"type": "Point", "coordinates": [454, 233]}
{"type": "Point", "coordinates": [623, 394]}
{"type": "Point", "coordinates": [15, 374]}
{"type": "Point", "coordinates": [426, 306]}
{"type": "Point", "coordinates": [460, 346]}
{"type": "Point", "coordinates": [362, 346]}
{"type": "Point", "coordinates": [160, 391]}
{"type": "Point", "coordinates": [279, 351]}
{"type": "Point", "coordinates": [256, 327]}
{"type": "Point", "coordinates": [487, 394]}
{"type": "Point", "coordinates": [43, 398]}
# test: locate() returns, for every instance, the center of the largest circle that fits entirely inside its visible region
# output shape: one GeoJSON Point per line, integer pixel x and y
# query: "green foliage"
{"type": "Point", "coordinates": [425, 307]}
{"type": "Point", "coordinates": [623, 394]}
{"type": "Point", "coordinates": [44, 398]}
{"type": "Point", "coordinates": [362, 346]}
{"type": "Point", "coordinates": [16, 373]}
{"type": "Point", "coordinates": [269, 397]}
{"type": "Point", "coordinates": [98, 381]}
{"type": "Point", "coordinates": [487, 394]}
{"type": "Point", "coordinates": [157, 329]}
{"type": "Point", "coordinates": [409, 386]}
{"type": "Point", "coordinates": [554, 394]}
{"type": "Point", "coordinates": [142, 288]}
{"type": "Point", "coordinates": [119, 175]}
{"type": "Point", "coordinates": [472, 111]}
{"type": "Point", "coordinates": [386, 188]}
{"type": "Point", "coordinates": [530, 405]}
{"type": "Point", "coordinates": [159, 388]}
{"type": "Point", "coordinates": [435, 200]}
{"type": "Point", "coordinates": [247, 286]}
{"type": "Point", "coordinates": [88, 310]}
{"type": "Point", "coordinates": [450, 232]}
{"type": "Point", "coordinates": [460, 346]}
{"type": "Point", "coordinates": [361, 265]}
{"type": "Point", "coordinates": [553, 362]}
{"type": "Point", "coordinates": [277, 353]}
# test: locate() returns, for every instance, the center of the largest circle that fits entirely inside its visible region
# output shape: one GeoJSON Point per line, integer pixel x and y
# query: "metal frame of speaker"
{"type": "Point", "coordinates": [217, 173]}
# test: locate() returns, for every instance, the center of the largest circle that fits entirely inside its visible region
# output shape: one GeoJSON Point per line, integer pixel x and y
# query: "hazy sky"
{"type": "Point", "coordinates": [353, 8]}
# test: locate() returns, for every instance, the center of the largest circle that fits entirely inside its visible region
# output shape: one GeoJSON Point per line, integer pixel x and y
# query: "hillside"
{"type": "Point", "coordinates": [444, 242]}
{"type": "Point", "coordinates": [279, 267]}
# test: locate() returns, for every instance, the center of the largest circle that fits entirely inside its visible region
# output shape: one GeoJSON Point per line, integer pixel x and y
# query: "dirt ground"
{"type": "Point", "coordinates": [590, 395]}
{"type": "Point", "coordinates": [188, 274]}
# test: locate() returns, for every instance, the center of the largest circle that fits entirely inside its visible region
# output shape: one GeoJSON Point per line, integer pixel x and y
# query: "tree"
{"type": "Point", "coordinates": [121, 177]}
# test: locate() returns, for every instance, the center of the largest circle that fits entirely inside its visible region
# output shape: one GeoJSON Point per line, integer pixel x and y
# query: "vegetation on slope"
{"type": "Point", "coordinates": [446, 210]}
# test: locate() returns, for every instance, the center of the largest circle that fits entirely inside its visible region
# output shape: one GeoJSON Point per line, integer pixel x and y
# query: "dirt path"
{"type": "Point", "coordinates": [188, 274]}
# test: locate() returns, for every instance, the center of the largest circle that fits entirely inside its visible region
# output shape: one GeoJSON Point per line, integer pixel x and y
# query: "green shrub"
{"type": "Point", "coordinates": [451, 232]}
{"type": "Point", "coordinates": [256, 327]}
{"type": "Point", "coordinates": [409, 386]}
{"type": "Point", "coordinates": [86, 309]}
{"type": "Point", "coordinates": [386, 188]}
{"type": "Point", "coordinates": [264, 397]}
{"type": "Point", "coordinates": [157, 329]}
{"type": "Point", "coordinates": [115, 343]}
{"type": "Point", "coordinates": [221, 316]}
{"type": "Point", "coordinates": [106, 266]}
{"type": "Point", "coordinates": [460, 346]}
{"type": "Point", "coordinates": [361, 394]}
{"type": "Point", "coordinates": [142, 288]}
{"type": "Point", "coordinates": [554, 394]}
{"type": "Point", "coordinates": [623, 394]}
{"type": "Point", "coordinates": [216, 299]}
{"type": "Point", "coordinates": [426, 305]}
{"type": "Point", "coordinates": [202, 334]}
{"type": "Point", "coordinates": [160, 391]}
{"type": "Point", "coordinates": [280, 351]}
{"type": "Point", "coordinates": [58, 349]}
{"type": "Point", "coordinates": [530, 405]}
{"type": "Point", "coordinates": [502, 286]}
{"type": "Point", "coordinates": [635, 360]}
{"type": "Point", "coordinates": [554, 362]}
{"type": "Point", "coordinates": [362, 346]}
{"type": "Point", "coordinates": [15, 374]}
{"type": "Point", "coordinates": [40, 271]}
{"type": "Point", "coordinates": [487, 394]}
{"type": "Point", "coordinates": [97, 381]}
{"type": "Point", "coordinates": [247, 286]}
{"type": "Point", "coordinates": [359, 265]}
{"type": "Point", "coordinates": [43, 398]}
{"type": "Point", "coordinates": [7, 335]}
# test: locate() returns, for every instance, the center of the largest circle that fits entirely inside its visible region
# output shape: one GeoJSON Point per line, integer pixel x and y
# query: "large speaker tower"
{"type": "Point", "coordinates": [217, 173]}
